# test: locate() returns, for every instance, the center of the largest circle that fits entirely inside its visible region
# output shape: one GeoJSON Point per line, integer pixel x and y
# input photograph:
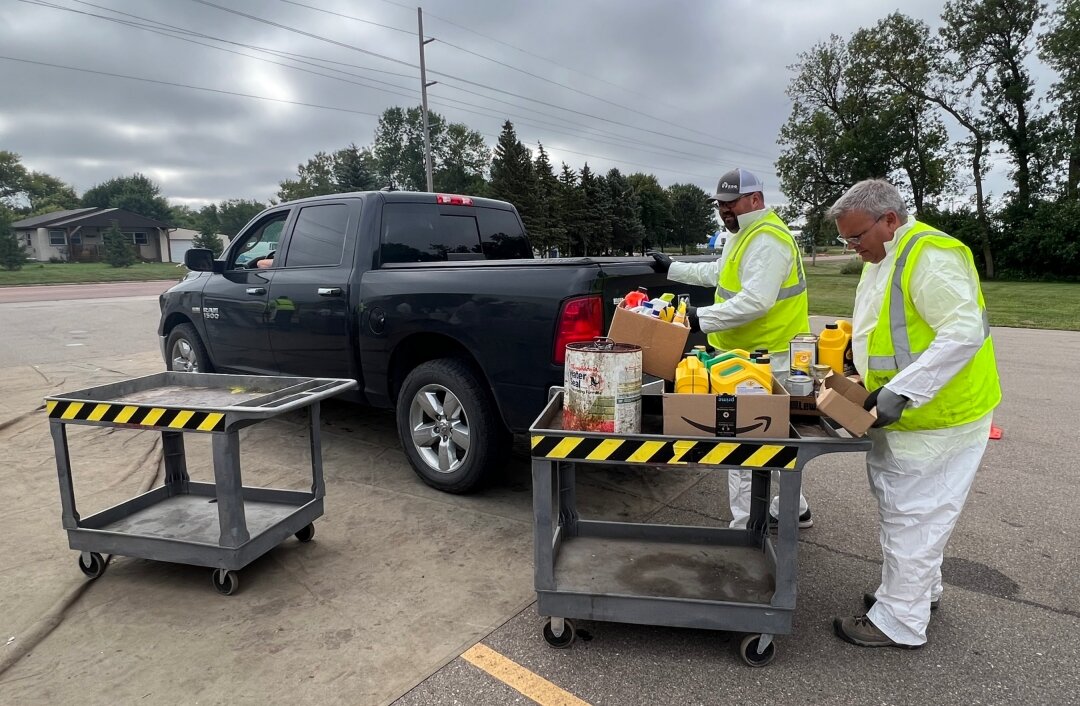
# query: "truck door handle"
{"type": "Point", "coordinates": [256, 291]}
{"type": "Point", "coordinates": [329, 291]}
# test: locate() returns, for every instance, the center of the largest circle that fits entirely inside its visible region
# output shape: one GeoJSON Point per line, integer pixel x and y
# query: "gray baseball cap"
{"type": "Point", "coordinates": [736, 183]}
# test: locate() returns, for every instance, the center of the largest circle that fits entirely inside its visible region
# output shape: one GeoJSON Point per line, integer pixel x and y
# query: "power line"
{"type": "Point", "coordinates": [297, 103]}
{"type": "Point", "coordinates": [522, 71]}
{"type": "Point", "coordinates": [523, 120]}
{"type": "Point", "coordinates": [186, 85]}
{"type": "Point", "coordinates": [481, 85]}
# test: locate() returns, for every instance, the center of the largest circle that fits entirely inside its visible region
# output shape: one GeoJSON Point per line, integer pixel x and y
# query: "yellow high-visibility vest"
{"type": "Point", "coordinates": [901, 336]}
{"type": "Point", "coordinates": [787, 318]}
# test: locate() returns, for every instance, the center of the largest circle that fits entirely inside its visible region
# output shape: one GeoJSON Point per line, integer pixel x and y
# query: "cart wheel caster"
{"type": "Point", "coordinates": [748, 650]}
{"type": "Point", "coordinates": [306, 534]}
{"type": "Point", "coordinates": [226, 582]}
{"type": "Point", "coordinates": [562, 641]}
{"type": "Point", "coordinates": [92, 564]}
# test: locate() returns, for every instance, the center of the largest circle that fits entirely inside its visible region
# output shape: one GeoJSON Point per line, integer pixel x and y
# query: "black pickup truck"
{"type": "Point", "coordinates": [432, 302]}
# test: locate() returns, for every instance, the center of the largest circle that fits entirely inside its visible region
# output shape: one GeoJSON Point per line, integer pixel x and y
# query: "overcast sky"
{"type": "Point", "coordinates": [682, 89]}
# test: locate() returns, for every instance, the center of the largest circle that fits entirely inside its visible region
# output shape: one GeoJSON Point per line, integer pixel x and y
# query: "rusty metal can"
{"type": "Point", "coordinates": [602, 383]}
{"type": "Point", "coordinates": [803, 353]}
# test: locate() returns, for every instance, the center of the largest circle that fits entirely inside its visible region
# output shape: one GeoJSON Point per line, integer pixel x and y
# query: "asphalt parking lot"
{"type": "Point", "coordinates": [411, 596]}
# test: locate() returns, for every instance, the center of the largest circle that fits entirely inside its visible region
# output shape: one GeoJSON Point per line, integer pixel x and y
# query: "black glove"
{"type": "Point", "coordinates": [889, 407]}
{"type": "Point", "coordinates": [663, 262]}
{"type": "Point", "coordinates": [871, 400]}
{"type": "Point", "coordinates": [691, 317]}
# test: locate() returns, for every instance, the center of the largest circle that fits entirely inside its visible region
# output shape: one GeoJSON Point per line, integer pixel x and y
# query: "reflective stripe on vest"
{"type": "Point", "coordinates": [902, 355]}
{"type": "Point", "coordinates": [787, 317]}
{"type": "Point", "coordinates": [974, 390]}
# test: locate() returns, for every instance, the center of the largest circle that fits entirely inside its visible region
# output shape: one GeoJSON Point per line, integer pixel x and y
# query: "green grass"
{"type": "Point", "coordinates": [1044, 305]}
{"type": "Point", "coordinates": [79, 272]}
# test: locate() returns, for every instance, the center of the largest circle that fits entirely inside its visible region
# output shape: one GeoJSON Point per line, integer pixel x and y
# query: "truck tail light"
{"type": "Point", "coordinates": [453, 200]}
{"type": "Point", "coordinates": [581, 319]}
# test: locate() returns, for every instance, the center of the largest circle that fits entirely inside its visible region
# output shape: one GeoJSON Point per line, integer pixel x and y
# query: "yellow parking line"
{"type": "Point", "coordinates": [517, 677]}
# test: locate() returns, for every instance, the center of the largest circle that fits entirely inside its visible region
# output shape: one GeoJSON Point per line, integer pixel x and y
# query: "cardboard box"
{"type": "Point", "coordinates": [805, 406]}
{"type": "Point", "coordinates": [763, 416]}
{"type": "Point", "coordinates": [841, 400]}
{"type": "Point", "coordinates": [662, 344]}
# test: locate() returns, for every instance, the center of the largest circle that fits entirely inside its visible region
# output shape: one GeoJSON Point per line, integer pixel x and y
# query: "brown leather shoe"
{"type": "Point", "coordinates": [860, 631]}
{"type": "Point", "coordinates": [869, 599]}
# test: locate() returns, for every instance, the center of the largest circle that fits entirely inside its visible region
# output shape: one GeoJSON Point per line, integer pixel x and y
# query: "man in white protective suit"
{"type": "Point", "coordinates": [922, 343]}
{"type": "Point", "coordinates": [760, 298]}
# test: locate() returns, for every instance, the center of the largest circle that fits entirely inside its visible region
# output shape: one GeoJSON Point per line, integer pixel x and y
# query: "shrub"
{"type": "Point", "coordinates": [12, 255]}
{"type": "Point", "coordinates": [852, 267]}
{"type": "Point", "coordinates": [119, 252]}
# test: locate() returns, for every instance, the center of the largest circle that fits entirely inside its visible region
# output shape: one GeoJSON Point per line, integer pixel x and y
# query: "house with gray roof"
{"type": "Point", "coordinates": [78, 235]}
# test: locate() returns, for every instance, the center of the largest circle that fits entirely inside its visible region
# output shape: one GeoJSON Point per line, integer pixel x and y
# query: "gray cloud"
{"type": "Point", "coordinates": [713, 73]}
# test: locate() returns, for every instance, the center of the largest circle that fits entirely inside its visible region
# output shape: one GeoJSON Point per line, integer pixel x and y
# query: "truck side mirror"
{"type": "Point", "coordinates": [199, 260]}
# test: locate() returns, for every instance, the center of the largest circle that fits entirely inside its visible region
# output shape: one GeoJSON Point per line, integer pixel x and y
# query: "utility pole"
{"type": "Point", "coordinates": [423, 98]}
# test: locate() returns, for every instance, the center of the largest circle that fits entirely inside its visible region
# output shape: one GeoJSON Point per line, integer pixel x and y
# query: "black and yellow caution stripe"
{"type": "Point", "coordinates": [137, 415]}
{"type": "Point", "coordinates": [677, 452]}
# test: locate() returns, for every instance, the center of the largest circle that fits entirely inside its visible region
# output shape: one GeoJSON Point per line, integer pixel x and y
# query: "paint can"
{"type": "Point", "coordinates": [602, 384]}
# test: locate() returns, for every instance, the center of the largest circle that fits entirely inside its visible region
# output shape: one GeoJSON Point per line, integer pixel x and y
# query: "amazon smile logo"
{"type": "Point", "coordinates": [762, 422]}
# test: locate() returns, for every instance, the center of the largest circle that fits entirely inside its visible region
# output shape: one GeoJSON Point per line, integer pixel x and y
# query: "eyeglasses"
{"type": "Point", "coordinates": [854, 239]}
{"type": "Point", "coordinates": [728, 204]}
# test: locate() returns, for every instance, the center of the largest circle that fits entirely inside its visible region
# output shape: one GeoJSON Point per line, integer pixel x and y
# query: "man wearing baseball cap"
{"type": "Point", "coordinates": [760, 296]}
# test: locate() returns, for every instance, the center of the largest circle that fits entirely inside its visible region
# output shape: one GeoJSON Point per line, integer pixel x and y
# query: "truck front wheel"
{"type": "Point", "coordinates": [185, 351]}
{"type": "Point", "coordinates": [448, 425]}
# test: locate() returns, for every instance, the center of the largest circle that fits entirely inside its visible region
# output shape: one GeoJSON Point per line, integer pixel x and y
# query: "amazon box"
{"type": "Point", "coordinates": [842, 400]}
{"type": "Point", "coordinates": [763, 416]}
{"type": "Point", "coordinates": [662, 344]}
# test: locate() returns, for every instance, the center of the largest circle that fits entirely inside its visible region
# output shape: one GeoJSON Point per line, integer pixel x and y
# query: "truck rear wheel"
{"type": "Point", "coordinates": [448, 425]}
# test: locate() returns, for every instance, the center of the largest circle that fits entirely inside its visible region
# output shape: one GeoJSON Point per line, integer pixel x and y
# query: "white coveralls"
{"type": "Point", "coordinates": [921, 479]}
{"type": "Point", "coordinates": [765, 265]}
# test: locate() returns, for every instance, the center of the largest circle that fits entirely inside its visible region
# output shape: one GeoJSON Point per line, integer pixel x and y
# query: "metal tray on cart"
{"type": "Point", "coordinates": [222, 525]}
{"type": "Point", "coordinates": [740, 580]}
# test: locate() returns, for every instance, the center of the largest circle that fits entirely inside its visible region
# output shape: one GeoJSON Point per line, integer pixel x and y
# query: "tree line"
{"type": "Point", "coordinates": [573, 212]}
{"type": "Point", "coordinates": [886, 100]}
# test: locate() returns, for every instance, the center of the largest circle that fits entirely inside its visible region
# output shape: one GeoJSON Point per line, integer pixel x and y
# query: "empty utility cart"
{"type": "Point", "coordinates": [738, 580]}
{"type": "Point", "coordinates": [222, 525]}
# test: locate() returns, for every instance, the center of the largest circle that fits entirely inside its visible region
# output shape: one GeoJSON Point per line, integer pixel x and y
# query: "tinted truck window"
{"type": "Point", "coordinates": [418, 232]}
{"type": "Point", "coordinates": [319, 236]}
{"type": "Point", "coordinates": [501, 235]}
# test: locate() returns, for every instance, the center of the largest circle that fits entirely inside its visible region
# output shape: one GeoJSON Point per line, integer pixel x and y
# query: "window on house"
{"type": "Point", "coordinates": [57, 237]}
{"type": "Point", "coordinates": [76, 239]}
{"type": "Point", "coordinates": [29, 240]}
{"type": "Point", "coordinates": [139, 238]}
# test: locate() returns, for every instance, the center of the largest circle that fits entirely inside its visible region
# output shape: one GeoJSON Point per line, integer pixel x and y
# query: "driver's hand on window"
{"type": "Point", "coordinates": [265, 263]}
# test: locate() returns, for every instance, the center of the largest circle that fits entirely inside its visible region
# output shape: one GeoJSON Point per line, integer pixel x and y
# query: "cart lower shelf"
{"type": "Point", "coordinates": [660, 569]}
{"type": "Point", "coordinates": [163, 525]}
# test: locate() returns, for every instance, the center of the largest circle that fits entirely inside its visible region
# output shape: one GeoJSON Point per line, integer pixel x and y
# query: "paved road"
{"type": "Point", "coordinates": [66, 292]}
{"type": "Point", "coordinates": [1005, 634]}
{"type": "Point", "coordinates": [77, 322]}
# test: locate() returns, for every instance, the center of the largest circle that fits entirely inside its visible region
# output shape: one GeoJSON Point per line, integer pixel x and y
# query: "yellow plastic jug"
{"type": "Point", "coordinates": [832, 346]}
{"type": "Point", "coordinates": [691, 377]}
{"type": "Point", "coordinates": [738, 376]}
{"type": "Point", "coordinates": [849, 359]}
{"type": "Point", "coordinates": [727, 355]}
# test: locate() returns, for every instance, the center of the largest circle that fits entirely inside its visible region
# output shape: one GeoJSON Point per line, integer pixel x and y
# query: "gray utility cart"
{"type": "Point", "coordinates": [222, 525]}
{"type": "Point", "coordinates": [739, 580]}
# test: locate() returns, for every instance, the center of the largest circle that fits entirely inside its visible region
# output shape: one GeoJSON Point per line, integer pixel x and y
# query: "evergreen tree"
{"type": "Point", "coordinates": [627, 233]}
{"type": "Point", "coordinates": [12, 254]}
{"type": "Point", "coordinates": [354, 170]}
{"type": "Point", "coordinates": [208, 234]}
{"type": "Point", "coordinates": [570, 212]}
{"type": "Point", "coordinates": [595, 231]}
{"type": "Point", "coordinates": [119, 250]}
{"type": "Point", "coordinates": [512, 176]}
{"type": "Point", "coordinates": [547, 231]}
{"type": "Point", "coordinates": [654, 207]}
